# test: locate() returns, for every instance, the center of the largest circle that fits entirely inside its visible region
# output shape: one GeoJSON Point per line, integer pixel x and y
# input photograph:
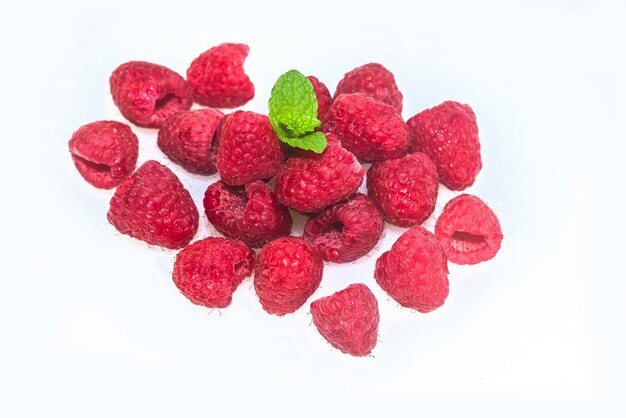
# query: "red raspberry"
{"type": "Point", "coordinates": [147, 93]}
{"type": "Point", "coordinates": [414, 272]}
{"type": "Point", "coordinates": [287, 271]}
{"type": "Point", "coordinates": [448, 134]}
{"type": "Point", "coordinates": [207, 272]}
{"type": "Point", "coordinates": [345, 231]}
{"type": "Point", "coordinates": [309, 182]}
{"type": "Point", "coordinates": [468, 230]}
{"type": "Point", "coordinates": [371, 130]}
{"type": "Point", "coordinates": [372, 80]}
{"type": "Point", "coordinates": [404, 188]}
{"type": "Point", "coordinates": [153, 205]}
{"type": "Point", "coordinates": [348, 319]}
{"type": "Point", "coordinates": [104, 152]}
{"type": "Point", "coordinates": [248, 149]}
{"type": "Point", "coordinates": [217, 77]}
{"type": "Point", "coordinates": [324, 99]}
{"type": "Point", "coordinates": [252, 215]}
{"type": "Point", "coordinates": [187, 139]}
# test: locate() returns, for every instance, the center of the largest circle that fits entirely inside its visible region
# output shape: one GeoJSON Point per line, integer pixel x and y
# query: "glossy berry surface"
{"type": "Point", "coordinates": [248, 149]}
{"type": "Point", "coordinates": [147, 94]}
{"type": "Point", "coordinates": [469, 230]}
{"type": "Point", "coordinates": [104, 152]}
{"type": "Point", "coordinates": [208, 271]}
{"type": "Point", "coordinates": [187, 138]}
{"type": "Point", "coordinates": [152, 205]}
{"type": "Point", "coordinates": [288, 270]}
{"type": "Point", "coordinates": [348, 319]}
{"type": "Point", "coordinates": [251, 213]}
{"type": "Point", "coordinates": [217, 77]}
{"type": "Point", "coordinates": [371, 130]}
{"type": "Point", "coordinates": [405, 188]}
{"type": "Point", "coordinates": [448, 134]}
{"type": "Point", "coordinates": [372, 80]}
{"type": "Point", "coordinates": [414, 271]}
{"type": "Point", "coordinates": [345, 231]}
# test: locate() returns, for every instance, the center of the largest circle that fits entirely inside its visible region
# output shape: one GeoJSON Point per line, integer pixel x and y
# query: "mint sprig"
{"type": "Point", "coordinates": [293, 112]}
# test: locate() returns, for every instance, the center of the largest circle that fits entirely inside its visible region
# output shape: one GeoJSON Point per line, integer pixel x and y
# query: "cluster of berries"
{"type": "Point", "coordinates": [361, 123]}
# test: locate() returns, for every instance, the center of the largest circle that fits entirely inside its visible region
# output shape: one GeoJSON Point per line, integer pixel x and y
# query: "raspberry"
{"type": "Point", "coordinates": [207, 272]}
{"type": "Point", "coordinates": [414, 272]}
{"type": "Point", "coordinates": [345, 231]}
{"type": "Point", "coordinates": [217, 77]}
{"type": "Point", "coordinates": [187, 139]}
{"type": "Point", "coordinates": [324, 99]}
{"type": "Point", "coordinates": [448, 134]}
{"type": "Point", "coordinates": [348, 319]}
{"type": "Point", "coordinates": [147, 93]}
{"type": "Point", "coordinates": [287, 271]}
{"type": "Point", "coordinates": [372, 80]}
{"type": "Point", "coordinates": [468, 230]}
{"type": "Point", "coordinates": [252, 215]}
{"type": "Point", "coordinates": [104, 152]}
{"type": "Point", "coordinates": [370, 129]}
{"type": "Point", "coordinates": [309, 182]}
{"type": "Point", "coordinates": [404, 188]}
{"type": "Point", "coordinates": [248, 149]}
{"type": "Point", "coordinates": [153, 205]}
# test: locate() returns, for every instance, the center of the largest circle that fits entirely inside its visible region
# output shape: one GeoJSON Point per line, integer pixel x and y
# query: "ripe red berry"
{"type": "Point", "coordinates": [324, 99]}
{"type": "Point", "coordinates": [104, 152]}
{"type": "Point", "coordinates": [207, 272]}
{"type": "Point", "coordinates": [217, 77]}
{"type": "Point", "coordinates": [153, 205]}
{"type": "Point", "coordinates": [371, 130]}
{"type": "Point", "coordinates": [348, 319]}
{"type": "Point", "coordinates": [448, 134]}
{"type": "Point", "coordinates": [251, 214]}
{"type": "Point", "coordinates": [468, 230]}
{"type": "Point", "coordinates": [287, 271]}
{"type": "Point", "coordinates": [248, 149]}
{"type": "Point", "coordinates": [147, 93]}
{"type": "Point", "coordinates": [309, 182]}
{"type": "Point", "coordinates": [345, 231]}
{"type": "Point", "coordinates": [415, 271]}
{"type": "Point", "coordinates": [187, 138]}
{"type": "Point", "coordinates": [372, 80]}
{"type": "Point", "coordinates": [405, 188]}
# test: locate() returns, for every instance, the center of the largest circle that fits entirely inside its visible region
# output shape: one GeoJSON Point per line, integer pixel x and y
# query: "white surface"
{"type": "Point", "coordinates": [93, 325]}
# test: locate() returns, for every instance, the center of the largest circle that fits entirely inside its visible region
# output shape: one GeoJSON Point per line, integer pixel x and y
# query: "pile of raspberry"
{"type": "Point", "coordinates": [263, 179]}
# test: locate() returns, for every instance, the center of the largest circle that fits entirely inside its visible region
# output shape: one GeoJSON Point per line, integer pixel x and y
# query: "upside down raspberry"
{"type": "Point", "coordinates": [187, 138]}
{"type": "Point", "coordinates": [371, 130]}
{"type": "Point", "coordinates": [346, 231]}
{"type": "Point", "coordinates": [405, 188]}
{"type": "Point", "coordinates": [208, 271]}
{"type": "Point", "coordinates": [372, 80]}
{"type": "Point", "coordinates": [448, 134]}
{"type": "Point", "coordinates": [104, 152]}
{"type": "Point", "coordinates": [468, 230]}
{"type": "Point", "coordinates": [309, 182]}
{"type": "Point", "coordinates": [415, 271]}
{"type": "Point", "coordinates": [348, 319]}
{"type": "Point", "coordinates": [248, 148]}
{"type": "Point", "coordinates": [217, 77]}
{"type": "Point", "coordinates": [153, 205]}
{"type": "Point", "coordinates": [287, 271]}
{"type": "Point", "coordinates": [251, 214]}
{"type": "Point", "coordinates": [324, 99]}
{"type": "Point", "coordinates": [147, 94]}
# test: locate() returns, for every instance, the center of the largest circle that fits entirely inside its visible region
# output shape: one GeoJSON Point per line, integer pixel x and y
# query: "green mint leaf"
{"type": "Point", "coordinates": [293, 111]}
{"type": "Point", "coordinates": [313, 141]}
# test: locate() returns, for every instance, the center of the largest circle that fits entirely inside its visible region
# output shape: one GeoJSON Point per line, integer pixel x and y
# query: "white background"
{"type": "Point", "coordinates": [93, 326]}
